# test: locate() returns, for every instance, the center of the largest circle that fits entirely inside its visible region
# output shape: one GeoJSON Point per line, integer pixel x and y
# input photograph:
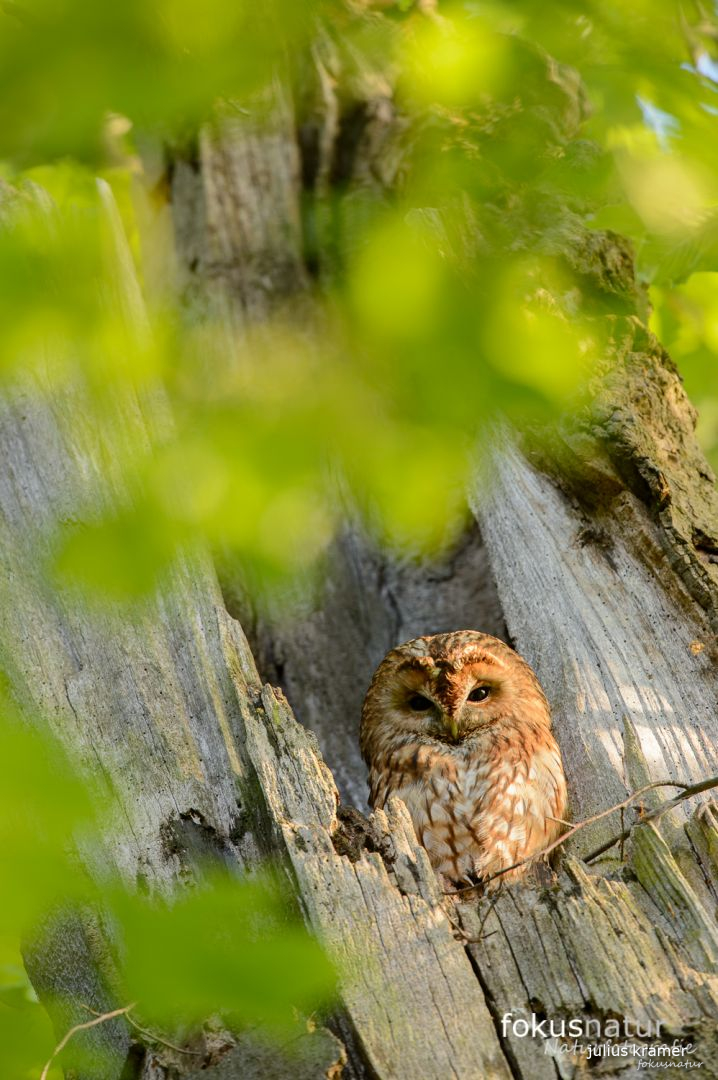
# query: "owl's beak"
{"type": "Point", "coordinates": [450, 725]}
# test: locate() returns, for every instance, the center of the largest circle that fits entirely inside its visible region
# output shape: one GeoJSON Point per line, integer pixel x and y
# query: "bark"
{"type": "Point", "coordinates": [199, 757]}
{"type": "Point", "coordinates": [598, 563]}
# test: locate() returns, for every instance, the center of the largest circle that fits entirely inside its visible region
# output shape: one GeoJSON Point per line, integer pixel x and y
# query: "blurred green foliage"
{"type": "Point", "coordinates": [469, 286]}
{"type": "Point", "coordinates": [685, 319]}
{"type": "Point", "coordinates": [37, 871]}
{"type": "Point", "coordinates": [229, 947]}
{"type": "Point", "coordinates": [26, 1036]}
{"type": "Point", "coordinates": [66, 64]}
{"type": "Point", "coordinates": [458, 295]}
{"type": "Point", "coordinates": [243, 956]}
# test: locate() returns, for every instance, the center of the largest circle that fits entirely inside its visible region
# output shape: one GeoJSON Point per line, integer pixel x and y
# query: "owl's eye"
{"type": "Point", "coordinates": [419, 703]}
{"type": "Point", "coordinates": [479, 693]}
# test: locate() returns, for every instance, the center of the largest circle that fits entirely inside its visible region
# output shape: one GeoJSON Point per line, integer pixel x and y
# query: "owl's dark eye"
{"type": "Point", "coordinates": [479, 693]}
{"type": "Point", "coordinates": [419, 703]}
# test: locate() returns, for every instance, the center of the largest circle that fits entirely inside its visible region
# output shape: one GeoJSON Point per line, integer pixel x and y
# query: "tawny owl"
{"type": "Point", "coordinates": [458, 727]}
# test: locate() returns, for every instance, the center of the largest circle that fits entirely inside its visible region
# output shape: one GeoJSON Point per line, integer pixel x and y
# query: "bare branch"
{"type": "Point", "coordinates": [653, 815]}
{"type": "Point", "coordinates": [152, 1036]}
{"type": "Point", "coordinates": [83, 1027]}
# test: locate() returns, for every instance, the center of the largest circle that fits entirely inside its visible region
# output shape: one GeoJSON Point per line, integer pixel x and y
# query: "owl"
{"type": "Point", "coordinates": [458, 727]}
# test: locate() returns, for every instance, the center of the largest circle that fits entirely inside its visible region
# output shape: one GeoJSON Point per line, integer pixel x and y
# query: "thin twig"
{"type": "Point", "coordinates": [481, 937]}
{"type": "Point", "coordinates": [464, 940]}
{"type": "Point", "coordinates": [456, 927]}
{"type": "Point", "coordinates": [163, 1042]}
{"type": "Point", "coordinates": [688, 792]}
{"type": "Point", "coordinates": [100, 1019]}
{"type": "Point", "coordinates": [489, 909]}
{"type": "Point", "coordinates": [151, 1035]}
{"type": "Point", "coordinates": [697, 788]}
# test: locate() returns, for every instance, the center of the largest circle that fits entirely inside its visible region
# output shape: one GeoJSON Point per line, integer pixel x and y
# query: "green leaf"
{"type": "Point", "coordinates": [227, 947]}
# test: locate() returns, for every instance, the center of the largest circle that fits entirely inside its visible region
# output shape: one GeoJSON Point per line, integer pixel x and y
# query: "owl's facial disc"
{"type": "Point", "coordinates": [457, 689]}
{"type": "Point", "coordinates": [446, 701]}
{"type": "Point", "coordinates": [446, 720]}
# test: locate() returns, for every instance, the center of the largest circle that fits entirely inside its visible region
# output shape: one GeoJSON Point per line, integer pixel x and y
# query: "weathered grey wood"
{"type": "Point", "coordinates": [325, 654]}
{"type": "Point", "coordinates": [604, 578]}
{"type": "Point", "coordinates": [69, 961]}
{"type": "Point", "coordinates": [236, 213]}
{"type": "Point", "coordinates": [162, 702]}
{"type": "Point", "coordinates": [608, 637]}
{"type": "Point", "coordinates": [593, 947]}
{"type": "Point", "coordinates": [702, 831]}
{"type": "Point", "coordinates": [380, 916]}
{"type": "Point", "coordinates": [310, 1057]}
{"type": "Point", "coordinates": [132, 692]}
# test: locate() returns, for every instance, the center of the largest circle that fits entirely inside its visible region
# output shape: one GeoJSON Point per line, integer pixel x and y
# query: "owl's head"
{"type": "Point", "coordinates": [448, 688]}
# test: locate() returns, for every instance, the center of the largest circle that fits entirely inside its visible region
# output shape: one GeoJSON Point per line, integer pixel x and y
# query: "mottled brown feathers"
{"type": "Point", "coordinates": [457, 726]}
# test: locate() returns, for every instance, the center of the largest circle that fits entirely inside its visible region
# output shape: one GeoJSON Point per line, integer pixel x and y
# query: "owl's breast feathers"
{"type": "Point", "coordinates": [483, 805]}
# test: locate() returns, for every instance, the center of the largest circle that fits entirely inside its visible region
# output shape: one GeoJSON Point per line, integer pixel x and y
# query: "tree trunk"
{"type": "Point", "coordinates": [597, 565]}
